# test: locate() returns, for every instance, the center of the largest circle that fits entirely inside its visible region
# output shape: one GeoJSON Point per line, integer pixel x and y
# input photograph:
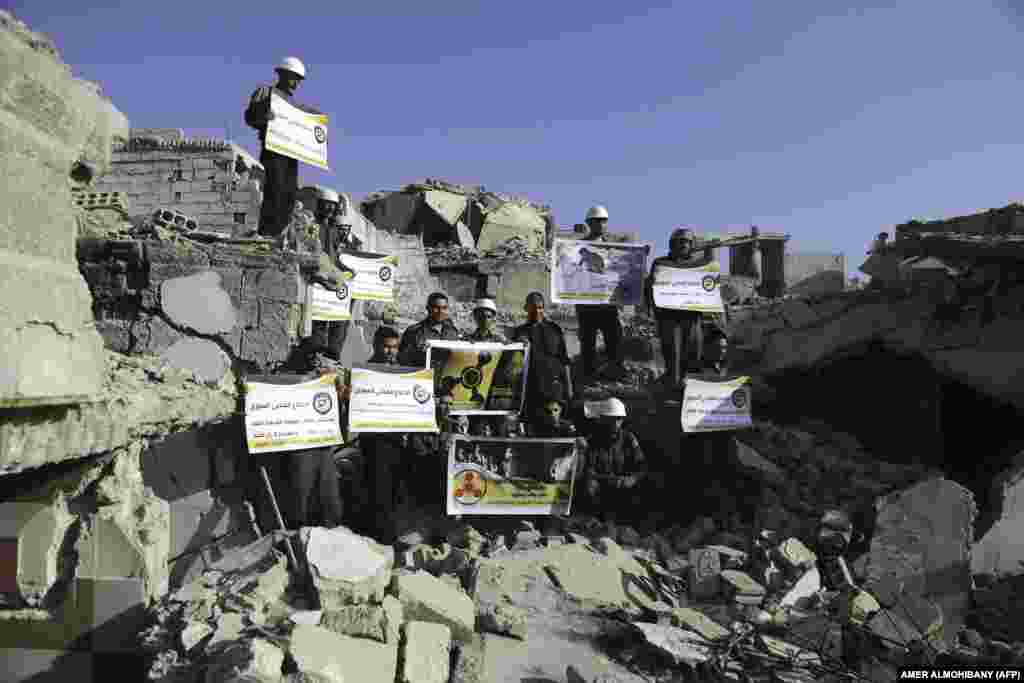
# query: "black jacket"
{"type": "Point", "coordinates": [548, 357]}
{"type": "Point", "coordinates": [412, 350]}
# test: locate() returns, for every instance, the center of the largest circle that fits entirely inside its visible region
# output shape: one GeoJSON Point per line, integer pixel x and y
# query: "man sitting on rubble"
{"type": "Point", "coordinates": [549, 377]}
{"type": "Point", "coordinates": [485, 313]}
{"type": "Point", "coordinates": [680, 332]}
{"type": "Point", "coordinates": [613, 467]}
{"type": "Point", "coordinates": [281, 182]}
{"type": "Point", "coordinates": [383, 451]}
{"type": "Point", "coordinates": [437, 325]}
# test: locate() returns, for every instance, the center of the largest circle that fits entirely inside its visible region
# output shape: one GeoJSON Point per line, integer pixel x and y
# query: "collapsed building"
{"type": "Point", "coordinates": [126, 479]}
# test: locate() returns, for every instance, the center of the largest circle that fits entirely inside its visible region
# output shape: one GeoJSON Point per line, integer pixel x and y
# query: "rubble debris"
{"type": "Point", "coordinates": [425, 598]}
{"type": "Point", "coordinates": [322, 655]}
{"type": "Point", "coordinates": [426, 653]}
{"type": "Point", "coordinates": [806, 587]}
{"type": "Point", "coordinates": [38, 530]}
{"type": "Point", "coordinates": [245, 658]}
{"type": "Point", "coordinates": [684, 647]}
{"type": "Point", "coordinates": [502, 618]}
{"type": "Point", "coordinates": [691, 619]}
{"type": "Point", "coordinates": [468, 659]}
{"type": "Point", "coordinates": [347, 569]}
{"type": "Point", "coordinates": [1001, 550]}
{"type": "Point", "coordinates": [741, 588]}
{"type": "Point", "coordinates": [376, 622]}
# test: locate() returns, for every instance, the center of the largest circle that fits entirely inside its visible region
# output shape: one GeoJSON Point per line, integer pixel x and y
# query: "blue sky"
{"type": "Point", "coordinates": [828, 124]}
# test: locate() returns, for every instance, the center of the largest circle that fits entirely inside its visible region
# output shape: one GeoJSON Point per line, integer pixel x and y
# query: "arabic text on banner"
{"type": "Point", "coordinates": [289, 417]}
{"type": "Point", "coordinates": [392, 402]}
{"type": "Point", "coordinates": [328, 305]}
{"type": "Point", "coordinates": [716, 406]}
{"type": "Point", "coordinates": [297, 134]}
{"type": "Point", "coordinates": [688, 289]}
{"type": "Point", "coordinates": [374, 276]}
{"type": "Point", "coordinates": [485, 377]}
{"type": "Point", "coordinates": [585, 272]}
{"type": "Point", "coordinates": [492, 476]}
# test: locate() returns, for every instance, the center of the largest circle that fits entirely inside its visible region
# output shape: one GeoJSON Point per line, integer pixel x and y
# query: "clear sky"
{"type": "Point", "coordinates": [828, 124]}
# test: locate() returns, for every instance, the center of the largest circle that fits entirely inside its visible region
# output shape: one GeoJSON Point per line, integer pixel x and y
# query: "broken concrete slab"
{"type": "Point", "coordinates": [376, 622]}
{"type": "Point", "coordinates": [193, 634]}
{"type": "Point", "coordinates": [426, 654]}
{"type": "Point", "coordinates": [38, 530]}
{"type": "Point", "coordinates": [229, 628]}
{"type": "Point", "coordinates": [684, 647]}
{"type": "Point", "coordinates": [502, 618]}
{"type": "Point", "coordinates": [741, 588]}
{"type": "Point", "coordinates": [178, 298]}
{"type": "Point", "coordinates": [922, 546]}
{"type": "Point", "coordinates": [425, 598]}
{"type": "Point", "coordinates": [806, 587]}
{"type": "Point", "coordinates": [684, 617]}
{"type": "Point", "coordinates": [1001, 550]}
{"type": "Point", "coordinates": [447, 205]}
{"type": "Point", "coordinates": [347, 569]}
{"type": "Point", "coordinates": [329, 657]}
{"type": "Point", "coordinates": [795, 556]}
{"type": "Point", "coordinates": [246, 658]}
{"type": "Point", "coordinates": [509, 221]}
{"type": "Point", "coordinates": [203, 358]}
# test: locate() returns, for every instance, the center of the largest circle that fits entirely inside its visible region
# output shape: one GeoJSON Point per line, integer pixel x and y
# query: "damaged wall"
{"type": "Point", "coordinates": [52, 126]}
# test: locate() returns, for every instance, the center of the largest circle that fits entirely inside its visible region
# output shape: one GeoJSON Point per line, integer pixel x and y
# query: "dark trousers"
{"type": "Point", "coordinates": [591, 320]}
{"type": "Point", "coordinates": [329, 337]}
{"type": "Point", "coordinates": [280, 187]}
{"type": "Point", "coordinates": [682, 341]}
{"type": "Point", "coordinates": [384, 461]}
{"type": "Point", "coordinates": [316, 494]}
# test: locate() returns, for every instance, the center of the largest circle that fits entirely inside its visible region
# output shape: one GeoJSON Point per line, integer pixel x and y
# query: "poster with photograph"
{"type": "Point", "coordinates": [289, 417]}
{"type": "Point", "coordinates": [584, 272]}
{"type": "Point", "coordinates": [519, 476]}
{"type": "Point", "coordinates": [716, 406]}
{"type": "Point", "coordinates": [484, 378]}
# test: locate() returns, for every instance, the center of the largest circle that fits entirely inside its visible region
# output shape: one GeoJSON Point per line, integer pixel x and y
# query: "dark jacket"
{"type": "Point", "coordinates": [618, 455]}
{"type": "Point", "coordinates": [412, 350]}
{"type": "Point", "coordinates": [476, 336]}
{"type": "Point", "coordinates": [259, 105]}
{"type": "Point", "coordinates": [548, 357]}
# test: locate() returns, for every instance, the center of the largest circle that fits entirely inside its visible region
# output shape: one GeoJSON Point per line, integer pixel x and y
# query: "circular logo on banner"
{"type": "Point", "coordinates": [739, 398]}
{"type": "Point", "coordinates": [471, 377]}
{"type": "Point", "coordinates": [421, 394]}
{"type": "Point", "coordinates": [384, 274]}
{"type": "Point", "coordinates": [322, 402]}
{"type": "Point", "coordinates": [470, 487]}
{"type": "Point", "coordinates": [320, 134]}
{"type": "Point", "coordinates": [342, 292]}
{"type": "Point", "coordinates": [708, 283]}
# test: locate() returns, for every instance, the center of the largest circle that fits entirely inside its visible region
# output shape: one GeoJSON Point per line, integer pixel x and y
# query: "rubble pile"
{"type": "Point", "coordinates": [516, 247]}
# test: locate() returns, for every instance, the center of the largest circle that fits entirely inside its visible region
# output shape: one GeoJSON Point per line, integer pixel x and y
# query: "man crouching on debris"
{"type": "Point", "coordinates": [613, 467]}
{"type": "Point", "coordinates": [678, 329]}
{"type": "Point", "coordinates": [282, 173]}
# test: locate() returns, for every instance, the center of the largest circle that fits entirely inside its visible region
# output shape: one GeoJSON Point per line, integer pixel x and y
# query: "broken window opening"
{"type": "Point", "coordinates": [177, 196]}
{"type": "Point", "coordinates": [240, 218]}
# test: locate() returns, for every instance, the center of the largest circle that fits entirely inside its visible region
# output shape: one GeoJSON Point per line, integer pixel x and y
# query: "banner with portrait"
{"type": "Point", "coordinates": [483, 378]}
{"type": "Point", "coordinates": [496, 476]}
{"type": "Point", "coordinates": [716, 406]}
{"type": "Point", "coordinates": [584, 272]}
{"type": "Point", "coordinates": [289, 417]}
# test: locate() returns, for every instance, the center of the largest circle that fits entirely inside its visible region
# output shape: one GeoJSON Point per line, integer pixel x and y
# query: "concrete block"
{"type": "Point", "coordinates": [327, 656]}
{"type": "Point", "coordinates": [272, 284]}
{"type": "Point", "coordinates": [376, 622]}
{"type": "Point", "coordinates": [246, 660]}
{"type": "Point", "coordinates": [426, 654]}
{"type": "Point", "coordinates": [179, 298]}
{"type": "Point", "coordinates": [425, 598]}
{"type": "Point", "coordinates": [118, 611]}
{"type": "Point", "coordinates": [347, 569]}
{"type": "Point", "coordinates": [39, 530]}
{"type": "Point", "coordinates": [203, 358]}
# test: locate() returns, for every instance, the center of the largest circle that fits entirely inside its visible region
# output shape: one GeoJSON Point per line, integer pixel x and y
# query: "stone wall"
{"type": "Point", "coordinates": [53, 128]}
{"type": "Point", "coordinates": [213, 181]}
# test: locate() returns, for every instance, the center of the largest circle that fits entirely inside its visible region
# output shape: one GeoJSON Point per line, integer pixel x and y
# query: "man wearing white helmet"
{"type": "Point", "coordinates": [599, 317]}
{"type": "Point", "coordinates": [613, 466]}
{"type": "Point", "coordinates": [485, 313]}
{"type": "Point", "coordinates": [281, 182]}
{"type": "Point", "coordinates": [681, 332]}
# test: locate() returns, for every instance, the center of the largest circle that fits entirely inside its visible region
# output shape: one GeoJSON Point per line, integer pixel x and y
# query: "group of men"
{"type": "Point", "coordinates": [613, 462]}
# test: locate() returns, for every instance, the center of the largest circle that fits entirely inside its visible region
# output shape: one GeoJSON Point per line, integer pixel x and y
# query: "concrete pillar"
{"type": "Point", "coordinates": [49, 121]}
{"type": "Point", "coordinates": [773, 264]}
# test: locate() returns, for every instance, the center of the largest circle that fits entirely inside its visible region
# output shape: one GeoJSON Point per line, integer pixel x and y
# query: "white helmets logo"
{"type": "Point", "coordinates": [597, 212]}
{"type": "Point", "coordinates": [293, 65]}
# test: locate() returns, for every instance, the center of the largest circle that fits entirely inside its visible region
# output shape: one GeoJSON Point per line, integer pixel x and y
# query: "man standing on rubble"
{"type": "Point", "coordinates": [485, 313]}
{"type": "Point", "coordinates": [437, 325]}
{"type": "Point", "coordinates": [613, 467]}
{"type": "Point", "coordinates": [548, 377]}
{"type": "Point", "coordinates": [342, 223]}
{"type": "Point", "coordinates": [595, 317]}
{"type": "Point", "coordinates": [680, 331]}
{"type": "Point", "coordinates": [282, 173]}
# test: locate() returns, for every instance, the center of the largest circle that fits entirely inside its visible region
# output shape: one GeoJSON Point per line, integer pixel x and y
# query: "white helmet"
{"type": "Point", "coordinates": [486, 304]}
{"type": "Point", "coordinates": [326, 194]}
{"type": "Point", "coordinates": [597, 212]}
{"type": "Point", "coordinates": [613, 407]}
{"type": "Point", "coordinates": [294, 65]}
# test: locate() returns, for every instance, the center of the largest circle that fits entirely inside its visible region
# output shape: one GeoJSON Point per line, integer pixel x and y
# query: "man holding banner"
{"type": "Point", "coordinates": [678, 326]}
{"type": "Point", "coordinates": [282, 172]}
